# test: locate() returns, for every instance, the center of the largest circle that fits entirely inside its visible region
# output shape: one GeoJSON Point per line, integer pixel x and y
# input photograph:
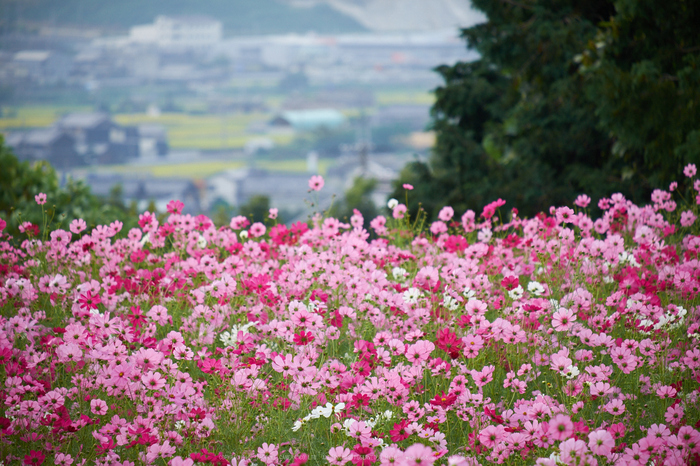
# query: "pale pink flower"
{"type": "Point", "coordinates": [316, 182]}
{"type": "Point", "coordinates": [40, 198]}
{"type": "Point", "coordinates": [438, 227]}
{"type": "Point", "coordinates": [690, 170]}
{"type": "Point", "coordinates": [601, 442]}
{"type": "Point", "coordinates": [268, 453]}
{"type": "Point", "coordinates": [78, 225]}
{"type": "Point", "coordinates": [562, 319]}
{"type": "Point", "coordinates": [582, 201]}
{"type": "Point", "coordinates": [561, 427]}
{"type": "Point", "coordinates": [407, 186]}
{"type": "Point", "coordinates": [98, 407]}
{"type": "Point", "coordinates": [399, 211]}
{"type": "Point", "coordinates": [257, 229]}
{"type": "Point", "coordinates": [419, 455]}
{"type": "Point", "coordinates": [687, 218]}
{"type": "Point", "coordinates": [446, 214]}
{"type": "Point", "coordinates": [338, 456]}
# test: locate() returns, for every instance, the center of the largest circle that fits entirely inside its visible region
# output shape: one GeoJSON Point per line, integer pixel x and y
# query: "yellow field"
{"type": "Point", "coordinates": [36, 116]}
{"type": "Point", "coordinates": [205, 169]}
{"type": "Point", "coordinates": [405, 98]}
{"type": "Point", "coordinates": [203, 131]}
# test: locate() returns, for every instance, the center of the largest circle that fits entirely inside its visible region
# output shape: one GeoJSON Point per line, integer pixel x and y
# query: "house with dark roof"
{"type": "Point", "coordinates": [98, 139]}
{"type": "Point", "coordinates": [50, 144]}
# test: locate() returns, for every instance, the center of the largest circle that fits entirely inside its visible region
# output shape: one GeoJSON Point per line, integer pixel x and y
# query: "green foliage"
{"type": "Point", "coordinates": [359, 197]}
{"type": "Point", "coordinates": [21, 181]}
{"type": "Point", "coordinates": [256, 209]}
{"type": "Point", "coordinates": [643, 70]}
{"type": "Point", "coordinates": [528, 124]}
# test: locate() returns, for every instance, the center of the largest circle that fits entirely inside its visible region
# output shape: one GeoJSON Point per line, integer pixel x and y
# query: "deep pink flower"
{"type": "Point", "coordinates": [34, 457]}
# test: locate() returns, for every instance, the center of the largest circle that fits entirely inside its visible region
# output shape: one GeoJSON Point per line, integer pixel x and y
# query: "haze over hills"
{"type": "Point", "coordinates": [403, 15]}
{"type": "Point", "coordinates": [244, 17]}
{"type": "Point", "coordinates": [240, 17]}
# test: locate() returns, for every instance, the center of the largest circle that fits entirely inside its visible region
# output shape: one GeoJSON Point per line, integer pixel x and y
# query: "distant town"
{"type": "Point", "coordinates": [174, 110]}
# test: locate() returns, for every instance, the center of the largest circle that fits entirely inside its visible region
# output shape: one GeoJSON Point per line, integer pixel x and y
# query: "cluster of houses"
{"type": "Point", "coordinates": [79, 139]}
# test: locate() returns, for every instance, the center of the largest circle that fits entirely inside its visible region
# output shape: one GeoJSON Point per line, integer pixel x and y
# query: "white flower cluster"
{"type": "Point", "coordinates": [411, 295]}
{"type": "Point", "coordinates": [516, 293]}
{"type": "Point", "coordinates": [231, 338]}
{"type": "Point", "coordinates": [325, 411]}
{"type": "Point", "coordinates": [535, 288]}
{"type": "Point", "coordinates": [469, 293]}
{"type": "Point", "coordinates": [628, 258]}
{"type": "Point", "coordinates": [667, 320]}
{"type": "Point", "coordinates": [450, 303]}
{"type": "Point", "coordinates": [399, 273]}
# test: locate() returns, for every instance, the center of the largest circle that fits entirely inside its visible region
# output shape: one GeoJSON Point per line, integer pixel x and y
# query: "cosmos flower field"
{"type": "Point", "coordinates": [481, 338]}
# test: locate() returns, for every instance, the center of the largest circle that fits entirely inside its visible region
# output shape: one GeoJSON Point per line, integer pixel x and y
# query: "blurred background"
{"type": "Point", "coordinates": [231, 105]}
{"type": "Point", "coordinates": [226, 104]}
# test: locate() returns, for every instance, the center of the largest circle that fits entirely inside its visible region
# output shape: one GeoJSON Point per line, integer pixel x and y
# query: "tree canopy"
{"type": "Point", "coordinates": [568, 98]}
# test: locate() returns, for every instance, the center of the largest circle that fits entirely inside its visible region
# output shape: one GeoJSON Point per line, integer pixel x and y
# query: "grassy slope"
{"type": "Point", "coordinates": [238, 16]}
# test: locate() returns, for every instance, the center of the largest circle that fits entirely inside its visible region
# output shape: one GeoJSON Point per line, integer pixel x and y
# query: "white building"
{"type": "Point", "coordinates": [179, 31]}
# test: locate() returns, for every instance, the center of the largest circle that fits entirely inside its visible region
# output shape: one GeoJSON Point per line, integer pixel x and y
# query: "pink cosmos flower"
{"type": "Point", "coordinates": [407, 187]}
{"type": "Point", "coordinates": [484, 376]}
{"type": "Point", "coordinates": [40, 198]}
{"type": "Point", "coordinates": [98, 407]}
{"type": "Point", "coordinates": [239, 222]}
{"type": "Point", "coordinates": [179, 461]}
{"type": "Point", "coordinates": [582, 201]}
{"type": "Point", "coordinates": [446, 214]}
{"type": "Point", "coordinates": [572, 451]}
{"type": "Point", "coordinates": [272, 213]}
{"type": "Point", "coordinates": [77, 225]}
{"type": "Point", "coordinates": [338, 456]}
{"type": "Point", "coordinates": [153, 380]}
{"type": "Point", "coordinates": [316, 182]}
{"type": "Point", "coordinates": [615, 407]}
{"type": "Point", "coordinates": [419, 455]}
{"type": "Point", "coordinates": [63, 459]}
{"type": "Point", "coordinates": [391, 456]}
{"type": "Point", "coordinates": [601, 442]}
{"type": "Point", "coordinates": [438, 227]}
{"type": "Point", "coordinates": [268, 453]}
{"type": "Point", "coordinates": [562, 319]}
{"type": "Point", "coordinates": [492, 435]}
{"type": "Point", "coordinates": [561, 427]}
{"type": "Point", "coordinates": [399, 211]}
{"type": "Point", "coordinates": [688, 218]}
{"type": "Point", "coordinates": [175, 207]}
{"type": "Point", "coordinates": [690, 170]}
{"type": "Point", "coordinates": [257, 229]}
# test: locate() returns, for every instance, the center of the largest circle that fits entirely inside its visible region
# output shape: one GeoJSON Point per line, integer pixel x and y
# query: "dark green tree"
{"type": "Point", "coordinates": [527, 123]}
{"type": "Point", "coordinates": [256, 209]}
{"type": "Point", "coordinates": [643, 73]}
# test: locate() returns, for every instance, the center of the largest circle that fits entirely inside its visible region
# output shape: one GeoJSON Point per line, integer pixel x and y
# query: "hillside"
{"type": "Point", "coordinates": [240, 17]}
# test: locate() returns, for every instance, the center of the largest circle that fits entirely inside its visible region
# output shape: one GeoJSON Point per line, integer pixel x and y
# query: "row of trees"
{"type": "Point", "coordinates": [569, 97]}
